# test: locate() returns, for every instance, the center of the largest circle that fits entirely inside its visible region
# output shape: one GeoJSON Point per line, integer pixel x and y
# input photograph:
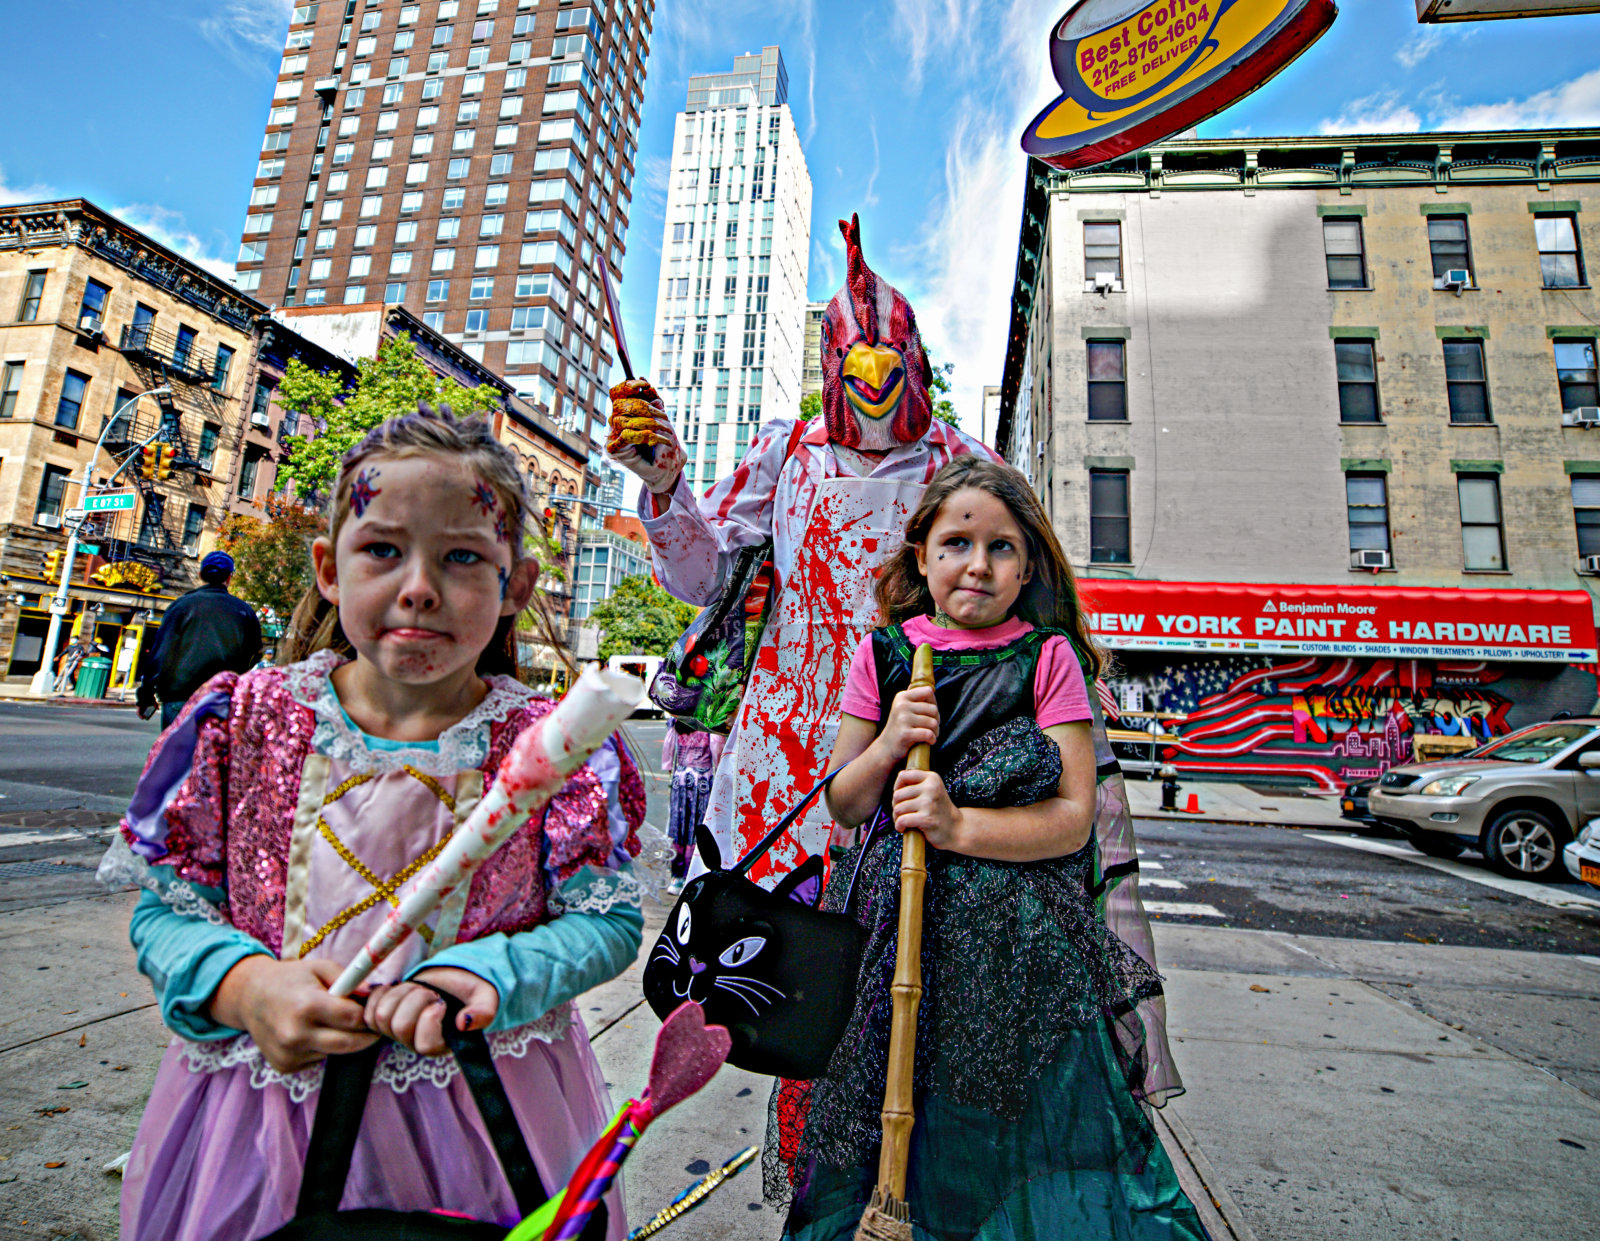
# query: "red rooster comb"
{"type": "Point", "coordinates": [860, 279]}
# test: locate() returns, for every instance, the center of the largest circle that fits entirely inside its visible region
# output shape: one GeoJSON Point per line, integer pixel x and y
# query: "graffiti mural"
{"type": "Point", "coordinates": [1331, 721]}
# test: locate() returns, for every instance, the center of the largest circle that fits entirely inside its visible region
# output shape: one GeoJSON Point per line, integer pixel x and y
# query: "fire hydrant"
{"type": "Point", "coordinates": [1169, 786]}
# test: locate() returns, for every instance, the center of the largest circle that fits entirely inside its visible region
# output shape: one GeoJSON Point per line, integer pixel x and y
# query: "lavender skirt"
{"type": "Point", "coordinates": [219, 1159]}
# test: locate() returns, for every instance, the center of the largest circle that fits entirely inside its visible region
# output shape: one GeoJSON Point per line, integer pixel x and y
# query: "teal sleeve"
{"type": "Point", "coordinates": [534, 971]}
{"type": "Point", "coordinates": [185, 957]}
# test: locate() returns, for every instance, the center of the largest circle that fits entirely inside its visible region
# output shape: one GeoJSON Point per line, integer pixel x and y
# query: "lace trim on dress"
{"type": "Point", "coordinates": [596, 891]}
{"type": "Point", "coordinates": [122, 866]}
{"type": "Point", "coordinates": [463, 746]}
{"type": "Point", "coordinates": [399, 1068]}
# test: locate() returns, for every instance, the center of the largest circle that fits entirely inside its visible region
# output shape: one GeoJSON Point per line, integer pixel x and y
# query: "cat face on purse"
{"type": "Point", "coordinates": [777, 972]}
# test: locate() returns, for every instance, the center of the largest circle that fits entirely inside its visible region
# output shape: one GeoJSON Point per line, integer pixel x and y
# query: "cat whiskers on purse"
{"type": "Point", "coordinates": [748, 989]}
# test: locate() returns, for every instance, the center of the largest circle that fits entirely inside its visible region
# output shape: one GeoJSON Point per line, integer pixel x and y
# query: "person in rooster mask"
{"type": "Point", "coordinates": [834, 496]}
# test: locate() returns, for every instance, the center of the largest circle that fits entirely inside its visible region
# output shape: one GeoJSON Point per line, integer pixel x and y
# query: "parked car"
{"type": "Point", "coordinates": [1353, 804]}
{"type": "Point", "coordinates": [1582, 856]}
{"type": "Point", "coordinates": [1518, 799]}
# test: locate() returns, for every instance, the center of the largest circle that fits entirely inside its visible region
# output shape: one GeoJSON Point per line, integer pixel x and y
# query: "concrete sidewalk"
{"type": "Point", "coordinates": [1239, 803]}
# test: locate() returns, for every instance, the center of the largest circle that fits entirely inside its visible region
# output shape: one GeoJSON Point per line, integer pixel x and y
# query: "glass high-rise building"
{"type": "Point", "coordinates": [730, 307]}
{"type": "Point", "coordinates": [471, 160]}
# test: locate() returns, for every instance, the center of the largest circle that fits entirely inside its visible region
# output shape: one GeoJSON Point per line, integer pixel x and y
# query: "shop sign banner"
{"type": "Point", "coordinates": [1398, 622]}
{"type": "Point", "coordinates": [1133, 72]}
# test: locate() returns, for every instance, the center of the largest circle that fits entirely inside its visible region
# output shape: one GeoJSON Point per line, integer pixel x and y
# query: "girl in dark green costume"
{"type": "Point", "coordinates": [1040, 1040]}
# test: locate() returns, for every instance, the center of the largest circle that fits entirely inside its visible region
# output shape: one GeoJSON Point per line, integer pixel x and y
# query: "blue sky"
{"type": "Point", "coordinates": [909, 110]}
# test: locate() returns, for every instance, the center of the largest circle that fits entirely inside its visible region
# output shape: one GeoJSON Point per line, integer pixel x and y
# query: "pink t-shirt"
{"type": "Point", "coordinates": [1059, 694]}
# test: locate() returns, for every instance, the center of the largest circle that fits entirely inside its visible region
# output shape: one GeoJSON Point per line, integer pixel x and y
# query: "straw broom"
{"type": "Point", "coordinates": [888, 1217]}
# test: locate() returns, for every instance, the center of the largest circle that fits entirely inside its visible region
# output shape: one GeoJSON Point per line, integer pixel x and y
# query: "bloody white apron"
{"type": "Point", "coordinates": [786, 724]}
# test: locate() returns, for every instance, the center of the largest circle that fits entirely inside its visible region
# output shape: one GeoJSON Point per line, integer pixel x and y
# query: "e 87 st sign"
{"type": "Point", "coordinates": [1133, 72]}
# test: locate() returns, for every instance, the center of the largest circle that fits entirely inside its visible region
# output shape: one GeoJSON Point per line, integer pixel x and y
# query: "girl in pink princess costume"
{"type": "Point", "coordinates": [281, 815]}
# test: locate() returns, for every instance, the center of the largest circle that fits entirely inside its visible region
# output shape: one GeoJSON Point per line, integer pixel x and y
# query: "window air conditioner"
{"type": "Point", "coordinates": [1582, 416]}
{"type": "Point", "coordinates": [264, 421]}
{"type": "Point", "coordinates": [1456, 278]}
{"type": "Point", "coordinates": [89, 325]}
{"type": "Point", "coordinates": [1591, 564]}
{"type": "Point", "coordinates": [1105, 282]}
{"type": "Point", "coordinates": [1369, 558]}
{"type": "Point", "coordinates": [50, 521]}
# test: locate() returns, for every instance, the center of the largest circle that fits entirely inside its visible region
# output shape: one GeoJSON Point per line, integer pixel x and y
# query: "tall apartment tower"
{"type": "Point", "coordinates": [468, 159]}
{"type": "Point", "coordinates": [730, 309]}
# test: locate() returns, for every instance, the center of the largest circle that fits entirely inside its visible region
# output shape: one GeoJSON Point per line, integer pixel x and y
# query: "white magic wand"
{"type": "Point", "coordinates": [538, 764]}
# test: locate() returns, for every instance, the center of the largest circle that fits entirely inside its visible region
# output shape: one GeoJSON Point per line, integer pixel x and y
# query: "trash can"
{"type": "Point", "coordinates": [94, 674]}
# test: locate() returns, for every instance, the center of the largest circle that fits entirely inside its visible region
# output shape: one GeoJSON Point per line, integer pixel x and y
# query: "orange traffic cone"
{"type": "Point", "coordinates": [1192, 806]}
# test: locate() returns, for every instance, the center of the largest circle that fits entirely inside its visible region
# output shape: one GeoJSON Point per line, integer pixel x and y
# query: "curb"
{"type": "Point", "coordinates": [1218, 1211]}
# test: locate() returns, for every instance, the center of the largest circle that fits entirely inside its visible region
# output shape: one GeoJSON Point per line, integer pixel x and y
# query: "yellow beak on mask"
{"type": "Point", "coordinates": [874, 378]}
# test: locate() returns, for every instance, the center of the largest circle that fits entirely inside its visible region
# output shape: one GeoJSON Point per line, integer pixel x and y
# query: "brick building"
{"type": "Point", "coordinates": [470, 160]}
{"type": "Point", "coordinates": [1347, 378]}
{"type": "Point", "coordinates": [93, 313]}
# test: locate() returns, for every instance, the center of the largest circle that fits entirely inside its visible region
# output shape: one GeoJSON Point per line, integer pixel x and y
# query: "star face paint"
{"type": "Point", "coordinates": [483, 496]}
{"type": "Point", "coordinates": [875, 373]}
{"type": "Point", "coordinates": [362, 492]}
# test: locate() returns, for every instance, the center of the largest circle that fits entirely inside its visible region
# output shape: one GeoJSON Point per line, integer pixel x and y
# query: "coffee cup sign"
{"type": "Point", "coordinates": [1133, 72]}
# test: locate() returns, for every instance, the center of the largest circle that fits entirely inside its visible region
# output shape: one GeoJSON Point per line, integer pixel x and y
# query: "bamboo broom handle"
{"type": "Point", "coordinates": [898, 1112]}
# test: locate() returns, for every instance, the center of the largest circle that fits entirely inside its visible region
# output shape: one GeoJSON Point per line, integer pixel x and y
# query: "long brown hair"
{"type": "Point", "coordinates": [1049, 600]}
{"type": "Point", "coordinates": [315, 623]}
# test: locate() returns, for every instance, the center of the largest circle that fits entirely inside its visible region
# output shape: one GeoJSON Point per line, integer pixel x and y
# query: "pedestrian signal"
{"type": "Point", "coordinates": [150, 460]}
{"type": "Point", "coordinates": [164, 459]}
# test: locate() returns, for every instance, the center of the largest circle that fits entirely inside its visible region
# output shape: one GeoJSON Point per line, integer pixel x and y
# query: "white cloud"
{"type": "Point", "coordinates": [1380, 113]}
{"type": "Point", "coordinates": [869, 196]}
{"type": "Point", "coordinates": [825, 264]}
{"type": "Point", "coordinates": [925, 27]}
{"type": "Point", "coordinates": [35, 193]}
{"type": "Point", "coordinates": [247, 29]}
{"type": "Point", "coordinates": [1569, 104]}
{"type": "Point", "coordinates": [1419, 46]}
{"type": "Point", "coordinates": [171, 229]}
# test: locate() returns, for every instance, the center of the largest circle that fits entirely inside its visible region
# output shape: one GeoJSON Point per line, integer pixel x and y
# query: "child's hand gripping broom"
{"type": "Point", "coordinates": [888, 1217]}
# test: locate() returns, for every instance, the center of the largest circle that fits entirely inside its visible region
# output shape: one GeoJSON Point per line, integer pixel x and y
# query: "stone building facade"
{"type": "Point", "coordinates": [1327, 367]}
{"type": "Point", "coordinates": [92, 313]}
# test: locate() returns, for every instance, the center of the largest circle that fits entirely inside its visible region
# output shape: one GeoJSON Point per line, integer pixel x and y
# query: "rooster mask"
{"type": "Point", "coordinates": [875, 374]}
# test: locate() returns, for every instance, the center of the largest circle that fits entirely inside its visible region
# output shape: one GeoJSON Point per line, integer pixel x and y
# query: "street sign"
{"type": "Point", "coordinates": [115, 501]}
{"type": "Point", "coordinates": [89, 549]}
{"type": "Point", "coordinates": [73, 514]}
{"type": "Point", "coordinates": [60, 607]}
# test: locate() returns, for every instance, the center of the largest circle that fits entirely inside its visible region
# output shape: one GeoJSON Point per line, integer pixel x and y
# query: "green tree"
{"type": "Point", "coordinates": [387, 386]}
{"type": "Point", "coordinates": [639, 618]}
{"type": "Point", "coordinates": [272, 558]}
{"type": "Point", "coordinates": [943, 407]}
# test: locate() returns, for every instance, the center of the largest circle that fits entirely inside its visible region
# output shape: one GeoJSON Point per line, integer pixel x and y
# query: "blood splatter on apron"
{"type": "Point", "coordinates": [790, 714]}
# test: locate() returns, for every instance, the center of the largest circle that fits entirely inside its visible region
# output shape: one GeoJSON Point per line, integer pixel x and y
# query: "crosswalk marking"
{"type": "Point", "coordinates": [1144, 865]}
{"type": "Point", "coordinates": [1188, 909]}
{"type": "Point", "coordinates": [68, 835]}
{"type": "Point", "coordinates": [1163, 883]}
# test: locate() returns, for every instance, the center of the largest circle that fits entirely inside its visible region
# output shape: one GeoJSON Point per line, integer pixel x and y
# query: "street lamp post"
{"type": "Point", "coordinates": [58, 607]}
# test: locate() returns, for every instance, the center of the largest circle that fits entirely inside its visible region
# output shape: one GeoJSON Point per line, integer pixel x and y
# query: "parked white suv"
{"type": "Point", "coordinates": [1518, 799]}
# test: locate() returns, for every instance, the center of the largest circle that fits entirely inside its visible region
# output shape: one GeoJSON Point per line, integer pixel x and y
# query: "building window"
{"type": "Point", "coordinates": [482, 288]}
{"type": "Point", "coordinates": [1108, 382]}
{"type": "Point", "coordinates": [477, 320]}
{"type": "Point", "coordinates": [70, 406]}
{"type": "Point", "coordinates": [220, 368]}
{"type": "Point", "coordinates": [10, 386]}
{"type": "Point", "coordinates": [1342, 245]}
{"type": "Point", "coordinates": [260, 401]}
{"type": "Point", "coordinates": [247, 474]}
{"type": "Point", "coordinates": [438, 290]}
{"type": "Point", "coordinates": [457, 169]}
{"type": "Point", "coordinates": [1560, 259]}
{"type": "Point", "coordinates": [32, 295]}
{"type": "Point", "coordinates": [394, 294]}
{"type": "Point", "coordinates": [1102, 251]}
{"type": "Point", "coordinates": [1586, 512]}
{"type": "Point", "coordinates": [209, 435]}
{"type": "Point", "coordinates": [52, 492]}
{"type": "Point", "coordinates": [434, 319]}
{"type": "Point", "coordinates": [1357, 367]}
{"type": "Point", "coordinates": [487, 256]}
{"type": "Point", "coordinates": [1109, 541]}
{"type": "Point", "coordinates": [1367, 501]}
{"type": "Point", "coordinates": [1447, 242]}
{"type": "Point", "coordinates": [1466, 381]}
{"type": "Point", "coordinates": [193, 522]}
{"type": "Point", "coordinates": [150, 526]}
{"type": "Point", "coordinates": [1483, 543]}
{"type": "Point", "coordinates": [1575, 373]}
{"type": "Point", "coordinates": [94, 301]}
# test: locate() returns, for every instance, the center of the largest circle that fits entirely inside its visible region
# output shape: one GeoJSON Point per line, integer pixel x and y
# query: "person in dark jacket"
{"type": "Point", "coordinates": [204, 632]}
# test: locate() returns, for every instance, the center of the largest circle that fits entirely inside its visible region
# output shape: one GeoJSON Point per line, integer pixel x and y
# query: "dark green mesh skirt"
{"type": "Point", "coordinates": [1082, 1161]}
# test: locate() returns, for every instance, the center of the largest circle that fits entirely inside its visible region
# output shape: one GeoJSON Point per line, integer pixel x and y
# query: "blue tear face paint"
{"type": "Point", "coordinates": [362, 491]}
{"type": "Point", "coordinates": [505, 579]}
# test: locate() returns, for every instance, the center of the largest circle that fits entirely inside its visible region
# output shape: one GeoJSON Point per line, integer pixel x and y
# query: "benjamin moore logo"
{"type": "Point", "coordinates": [1133, 72]}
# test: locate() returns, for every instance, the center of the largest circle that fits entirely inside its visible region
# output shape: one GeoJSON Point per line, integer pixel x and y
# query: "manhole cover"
{"type": "Point", "coordinates": [34, 870]}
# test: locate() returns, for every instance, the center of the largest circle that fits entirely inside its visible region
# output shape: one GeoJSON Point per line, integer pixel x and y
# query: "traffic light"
{"type": "Point", "coordinates": [150, 460]}
{"type": "Point", "coordinates": [549, 523]}
{"type": "Point", "coordinates": [52, 565]}
{"type": "Point", "coordinates": [164, 461]}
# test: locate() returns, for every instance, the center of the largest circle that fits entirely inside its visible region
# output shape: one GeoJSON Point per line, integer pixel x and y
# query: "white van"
{"type": "Point", "coordinates": [645, 668]}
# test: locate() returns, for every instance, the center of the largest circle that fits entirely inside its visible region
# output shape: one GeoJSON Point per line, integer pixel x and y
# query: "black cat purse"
{"type": "Point", "coordinates": [774, 969]}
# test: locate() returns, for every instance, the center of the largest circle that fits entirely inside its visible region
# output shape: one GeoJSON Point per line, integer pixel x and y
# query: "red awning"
{"type": "Point", "coordinates": [1405, 622]}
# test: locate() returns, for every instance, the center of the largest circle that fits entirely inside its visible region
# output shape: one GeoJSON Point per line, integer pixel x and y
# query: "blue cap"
{"type": "Point", "coordinates": [217, 564]}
